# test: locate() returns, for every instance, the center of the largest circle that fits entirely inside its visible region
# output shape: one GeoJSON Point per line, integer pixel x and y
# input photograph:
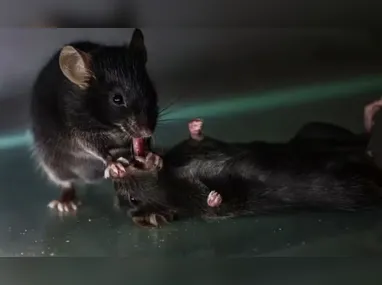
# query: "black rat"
{"type": "Point", "coordinates": [89, 102]}
{"type": "Point", "coordinates": [205, 177]}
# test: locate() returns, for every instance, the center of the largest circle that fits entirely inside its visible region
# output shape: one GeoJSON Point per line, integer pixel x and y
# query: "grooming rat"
{"type": "Point", "coordinates": [89, 102]}
{"type": "Point", "coordinates": [205, 177]}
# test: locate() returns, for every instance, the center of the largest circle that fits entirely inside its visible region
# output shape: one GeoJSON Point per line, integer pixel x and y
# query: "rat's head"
{"type": "Point", "coordinates": [114, 85]}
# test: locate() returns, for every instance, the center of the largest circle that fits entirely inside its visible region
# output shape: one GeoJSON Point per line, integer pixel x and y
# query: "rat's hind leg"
{"type": "Point", "coordinates": [195, 128]}
{"type": "Point", "coordinates": [68, 201]}
{"type": "Point", "coordinates": [214, 199]}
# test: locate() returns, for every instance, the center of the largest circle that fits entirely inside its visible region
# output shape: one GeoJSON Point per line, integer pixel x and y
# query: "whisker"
{"type": "Point", "coordinates": [165, 123]}
{"type": "Point", "coordinates": [171, 119]}
{"type": "Point", "coordinates": [161, 126]}
{"type": "Point", "coordinates": [164, 113]}
{"type": "Point", "coordinates": [165, 117]}
{"type": "Point", "coordinates": [167, 120]}
{"type": "Point", "coordinates": [153, 141]}
{"type": "Point", "coordinates": [171, 104]}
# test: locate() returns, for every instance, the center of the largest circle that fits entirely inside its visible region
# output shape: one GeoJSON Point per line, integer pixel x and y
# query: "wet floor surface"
{"type": "Point", "coordinates": [190, 252]}
{"type": "Point", "coordinates": [29, 228]}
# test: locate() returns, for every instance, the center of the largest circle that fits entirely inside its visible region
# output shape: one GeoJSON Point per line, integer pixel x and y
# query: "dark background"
{"type": "Point", "coordinates": [185, 13]}
{"type": "Point", "coordinates": [195, 65]}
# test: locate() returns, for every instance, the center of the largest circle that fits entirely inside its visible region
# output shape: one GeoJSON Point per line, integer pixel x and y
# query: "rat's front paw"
{"type": "Point", "coordinates": [115, 170]}
{"type": "Point", "coordinates": [214, 199]}
{"type": "Point", "coordinates": [152, 220]}
{"type": "Point", "coordinates": [195, 127]}
{"type": "Point", "coordinates": [151, 162]}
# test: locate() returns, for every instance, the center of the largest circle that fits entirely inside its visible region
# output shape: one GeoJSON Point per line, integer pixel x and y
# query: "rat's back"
{"type": "Point", "coordinates": [271, 177]}
{"type": "Point", "coordinates": [53, 146]}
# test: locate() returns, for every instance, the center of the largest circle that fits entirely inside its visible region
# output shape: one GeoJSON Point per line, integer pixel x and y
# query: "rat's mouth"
{"type": "Point", "coordinates": [139, 146]}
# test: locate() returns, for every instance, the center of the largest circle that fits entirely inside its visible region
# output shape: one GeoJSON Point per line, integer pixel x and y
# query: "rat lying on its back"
{"type": "Point", "coordinates": [88, 103]}
{"type": "Point", "coordinates": [205, 177]}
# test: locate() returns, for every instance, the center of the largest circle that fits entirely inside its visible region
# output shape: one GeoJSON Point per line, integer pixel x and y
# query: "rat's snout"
{"type": "Point", "coordinates": [144, 133]}
{"type": "Point", "coordinates": [139, 130]}
{"type": "Point", "coordinates": [143, 125]}
{"type": "Point", "coordinates": [140, 124]}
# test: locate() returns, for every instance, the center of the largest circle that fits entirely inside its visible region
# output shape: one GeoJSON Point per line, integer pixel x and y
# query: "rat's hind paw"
{"type": "Point", "coordinates": [69, 206]}
{"type": "Point", "coordinates": [214, 199]}
{"type": "Point", "coordinates": [151, 162]}
{"type": "Point", "coordinates": [68, 202]}
{"type": "Point", "coordinates": [150, 221]}
{"type": "Point", "coordinates": [115, 170]}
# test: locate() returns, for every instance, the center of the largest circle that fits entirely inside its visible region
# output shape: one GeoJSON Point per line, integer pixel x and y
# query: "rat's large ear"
{"type": "Point", "coordinates": [74, 65]}
{"type": "Point", "coordinates": [137, 45]}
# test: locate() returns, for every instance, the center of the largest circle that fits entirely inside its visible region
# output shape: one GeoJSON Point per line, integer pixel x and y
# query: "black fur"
{"type": "Point", "coordinates": [75, 130]}
{"type": "Point", "coordinates": [259, 177]}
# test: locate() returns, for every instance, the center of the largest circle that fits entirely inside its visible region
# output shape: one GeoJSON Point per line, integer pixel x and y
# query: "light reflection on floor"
{"type": "Point", "coordinates": [29, 228]}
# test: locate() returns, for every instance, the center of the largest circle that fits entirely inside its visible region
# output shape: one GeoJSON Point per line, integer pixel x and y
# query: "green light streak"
{"type": "Point", "coordinates": [254, 101]}
{"type": "Point", "coordinates": [20, 139]}
{"type": "Point", "coordinates": [264, 101]}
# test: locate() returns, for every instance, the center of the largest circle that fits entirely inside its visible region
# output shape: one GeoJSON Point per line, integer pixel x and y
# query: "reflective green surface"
{"type": "Point", "coordinates": [29, 228]}
{"type": "Point", "coordinates": [278, 77]}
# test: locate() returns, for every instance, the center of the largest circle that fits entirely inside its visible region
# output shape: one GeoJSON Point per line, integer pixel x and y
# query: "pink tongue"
{"type": "Point", "coordinates": [139, 147]}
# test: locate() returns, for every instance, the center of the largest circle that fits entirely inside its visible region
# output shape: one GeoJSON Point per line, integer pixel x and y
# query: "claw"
{"type": "Point", "coordinates": [151, 162]}
{"type": "Point", "coordinates": [150, 221]}
{"type": "Point", "coordinates": [63, 207]}
{"type": "Point", "coordinates": [115, 170]}
{"type": "Point", "coordinates": [68, 202]}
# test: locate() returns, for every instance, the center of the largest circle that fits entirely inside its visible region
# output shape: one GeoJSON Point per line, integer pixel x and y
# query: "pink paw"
{"type": "Point", "coordinates": [214, 199]}
{"type": "Point", "coordinates": [152, 161]}
{"type": "Point", "coordinates": [115, 170]}
{"type": "Point", "coordinates": [195, 129]}
{"type": "Point", "coordinates": [369, 113]}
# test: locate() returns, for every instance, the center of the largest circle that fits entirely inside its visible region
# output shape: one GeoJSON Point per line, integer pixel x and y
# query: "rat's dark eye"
{"type": "Point", "coordinates": [133, 200]}
{"type": "Point", "coordinates": [118, 99]}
